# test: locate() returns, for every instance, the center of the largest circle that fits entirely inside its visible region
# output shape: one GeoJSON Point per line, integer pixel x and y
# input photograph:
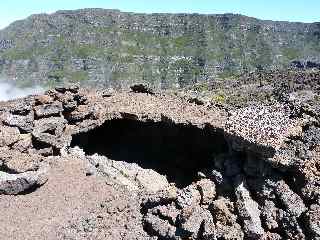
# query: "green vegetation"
{"type": "Point", "coordinates": [85, 51]}
{"type": "Point", "coordinates": [219, 98]}
{"type": "Point", "coordinates": [181, 43]}
{"type": "Point", "coordinates": [291, 53]}
{"type": "Point", "coordinates": [56, 76]}
{"type": "Point", "coordinates": [161, 50]}
{"type": "Point", "coordinates": [78, 76]}
{"type": "Point", "coordinates": [18, 54]}
{"type": "Point", "coordinates": [227, 74]}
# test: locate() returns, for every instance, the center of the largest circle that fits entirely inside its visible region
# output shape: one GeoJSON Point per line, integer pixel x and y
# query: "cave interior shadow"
{"type": "Point", "coordinates": [175, 150]}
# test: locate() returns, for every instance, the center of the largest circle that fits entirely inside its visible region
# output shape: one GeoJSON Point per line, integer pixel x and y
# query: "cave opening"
{"type": "Point", "coordinates": [175, 150]}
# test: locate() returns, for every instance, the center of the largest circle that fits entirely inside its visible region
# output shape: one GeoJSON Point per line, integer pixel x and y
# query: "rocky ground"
{"type": "Point", "coordinates": [85, 164]}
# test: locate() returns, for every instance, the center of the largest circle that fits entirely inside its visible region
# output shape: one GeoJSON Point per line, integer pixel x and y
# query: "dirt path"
{"type": "Point", "coordinates": [64, 208]}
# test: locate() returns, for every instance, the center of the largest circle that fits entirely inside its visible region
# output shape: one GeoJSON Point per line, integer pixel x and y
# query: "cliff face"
{"type": "Point", "coordinates": [86, 164]}
{"type": "Point", "coordinates": [111, 48]}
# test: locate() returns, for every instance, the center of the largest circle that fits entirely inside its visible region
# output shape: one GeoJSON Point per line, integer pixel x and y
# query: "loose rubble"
{"type": "Point", "coordinates": [263, 185]}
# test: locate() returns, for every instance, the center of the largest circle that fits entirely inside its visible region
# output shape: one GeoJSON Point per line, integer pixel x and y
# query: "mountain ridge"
{"type": "Point", "coordinates": [106, 47]}
{"type": "Point", "coordinates": [166, 13]}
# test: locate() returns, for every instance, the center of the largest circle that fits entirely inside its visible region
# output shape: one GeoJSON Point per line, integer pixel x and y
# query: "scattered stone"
{"type": "Point", "coordinates": [141, 88]}
{"type": "Point", "coordinates": [313, 220]}
{"type": "Point", "coordinates": [265, 128]}
{"type": "Point", "coordinates": [209, 231]}
{"type": "Point", "coordinates": [151, 180]}
{"type": "Point", "coordinates": [108, 92]}
{"type": "Point", "coordinates": [17, 162]}
{"type": "Point", "coordinates": [311, 190]}
{"type": "Point", "coordinates": [196, 101]}
{"type": "Point", "coordinates": [13, 184]}
{"type": "Point", "coordinates": [221, 211]}
{"type": "Point", "coordinates": [207, 190]}
{"type": "Point", "coordinates": [43, 99]}
{"type": "Point", "coordinates": [191, 220]}
{"type": "Point", "coordinates": [292, 202]}
{"type": "Point", "coordinates": [229, 232]}
{"type": "Point", "coordinates": [160, 228]}
{"type": "Point", "coordinates": [188, 197]}
{"type": "Point", "coordinates": [64, 89]}
{"type": "Point", "coordinates": [271, 236]}
{"type": "Point", "coordinates": [8, 135]}
{"type": "Point", "coordinates": [269, 214]}
{"type": "Point", "coordinates": [21, 107]}
{"type": "Point", "coordinates": [290, 225]}
{"type": "Point", "coordinates": [24, 123]}
{"type": "Point", "coordinates": [264, 188]}
{"type": "Point", "coordinates": [24, 143]}
{"type": "Point", "coordinates": [168, 212]}
{"type": "Point", "coordinates": [248, 210]}
{"type": "Point", "coordinates": [163, 197]}
{"type": "Point", "coordinates": [68, 102]}
{"type": "Point", "coordinates": [216, 176]}
{"type": "Point", "coordinates": [130, 175]}
{"type": "Point", "coordinates": [248, 183]}
{"type": "Point", "coordinates": [46, 110]}
{"type": "Point", "coordinates": [50, 131]}
{"type": "Point", "coordinates": [311, 136]}
{"type": "Point", "coordinates": [45, 152]}
{"type": "Point", "coordinates": [81, 98]}
{"type": "Point", "coordinates": [81, 113]}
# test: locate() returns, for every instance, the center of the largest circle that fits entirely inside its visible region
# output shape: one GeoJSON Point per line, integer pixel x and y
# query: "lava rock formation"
{"type": "Point", "coordinates": [142, 165]}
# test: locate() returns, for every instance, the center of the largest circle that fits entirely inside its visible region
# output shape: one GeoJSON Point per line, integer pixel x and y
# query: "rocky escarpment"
{"type": "Point", "coordinates": [177, 170]}
{"type": "Point", "coordinates": [113, 48]}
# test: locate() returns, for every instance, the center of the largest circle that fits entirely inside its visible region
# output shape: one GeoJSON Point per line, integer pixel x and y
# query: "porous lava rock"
{"type": "Point", "coordinates": [147, 165]}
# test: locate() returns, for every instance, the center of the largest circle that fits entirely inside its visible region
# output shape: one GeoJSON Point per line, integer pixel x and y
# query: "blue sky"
{"type": "Point", "coordinates": [288, 10]}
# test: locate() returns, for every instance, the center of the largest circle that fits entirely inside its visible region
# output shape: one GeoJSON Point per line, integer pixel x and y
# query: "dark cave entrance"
{"type": "Point", "coordinates": [177, 151]}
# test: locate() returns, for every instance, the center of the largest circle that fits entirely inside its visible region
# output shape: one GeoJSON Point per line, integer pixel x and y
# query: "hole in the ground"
{"type": "Point", "coordinates": [177, 151]}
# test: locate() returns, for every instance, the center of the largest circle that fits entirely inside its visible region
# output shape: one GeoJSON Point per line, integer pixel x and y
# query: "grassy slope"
{"type": "Point", "coordinates": [164, 50]}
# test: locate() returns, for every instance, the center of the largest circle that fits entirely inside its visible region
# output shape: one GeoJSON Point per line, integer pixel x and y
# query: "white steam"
{"type": "Point", "coordinates": [9, 91]}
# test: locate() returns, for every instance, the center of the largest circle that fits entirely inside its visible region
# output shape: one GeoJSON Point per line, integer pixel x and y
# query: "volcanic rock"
{"type": "Point", "coordinates": [157, 164]}
{"type": "Point", "coordinates": [18, 183]}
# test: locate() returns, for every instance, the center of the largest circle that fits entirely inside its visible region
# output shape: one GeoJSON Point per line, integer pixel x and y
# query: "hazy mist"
{"type": "Point", "coordinates": [9, 91]}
